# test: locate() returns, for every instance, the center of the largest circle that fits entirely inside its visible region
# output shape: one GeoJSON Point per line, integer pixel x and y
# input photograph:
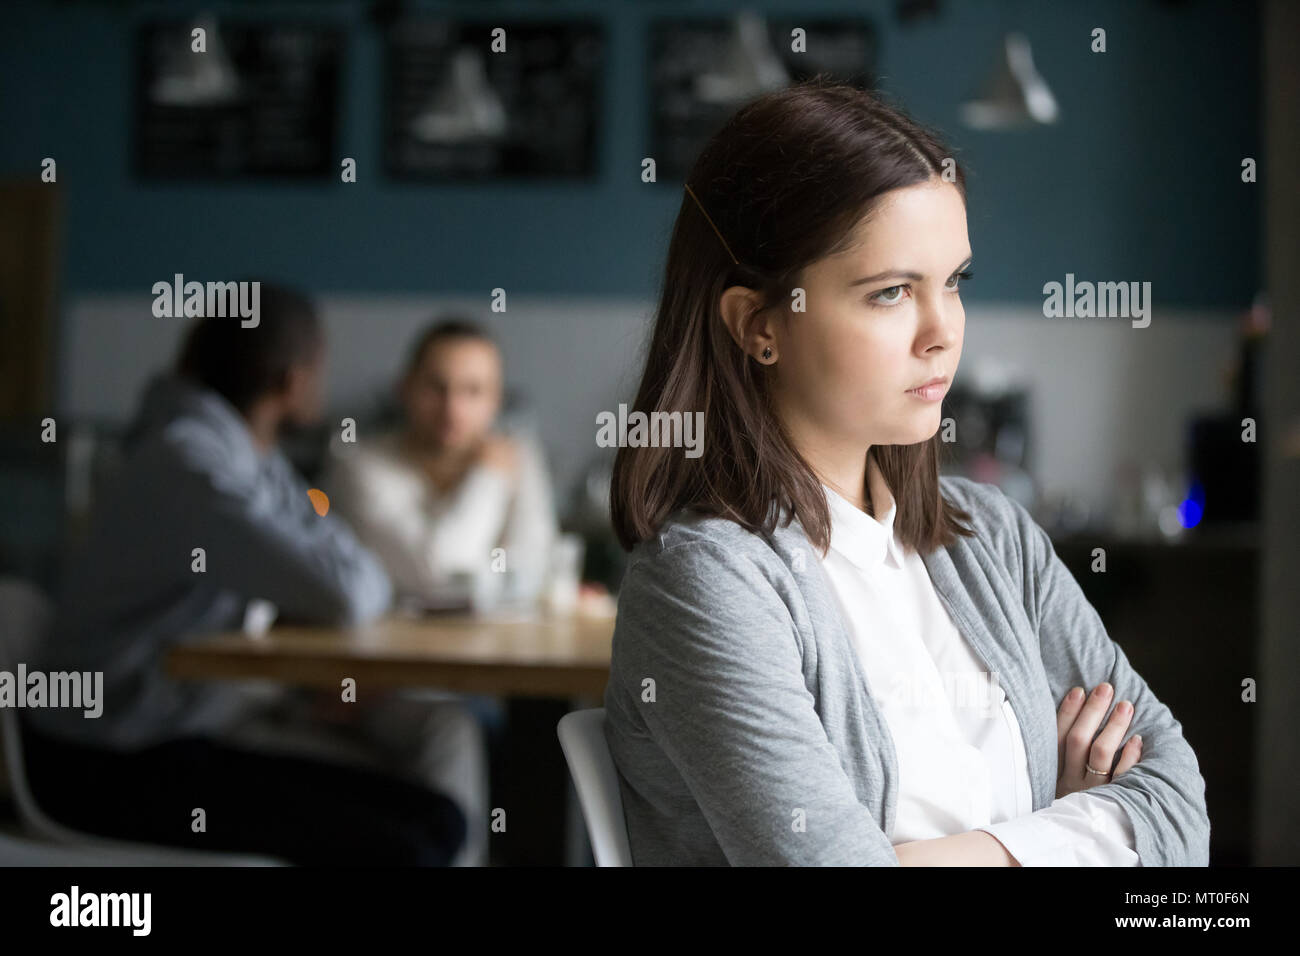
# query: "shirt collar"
{"type": "Point", "coordinates": [865, 541]}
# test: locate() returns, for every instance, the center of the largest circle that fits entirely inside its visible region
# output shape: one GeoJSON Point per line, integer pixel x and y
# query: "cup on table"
{"type": "Point", "coordinates": [564, 573]}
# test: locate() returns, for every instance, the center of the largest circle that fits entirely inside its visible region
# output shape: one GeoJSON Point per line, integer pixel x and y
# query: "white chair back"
{"type": "Point", "coordinates": [582, 738]}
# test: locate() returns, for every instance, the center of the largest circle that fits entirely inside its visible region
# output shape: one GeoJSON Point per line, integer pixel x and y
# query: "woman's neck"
{"type": "Point", "coordinates": [878, 495]}
{"type": "Point", "coordinates": [854, 476]}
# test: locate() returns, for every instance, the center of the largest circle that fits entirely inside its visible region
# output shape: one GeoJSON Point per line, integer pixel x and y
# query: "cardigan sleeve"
{"type": "Point", "coordinates": [706, 651]}
{"type": "Point", "coordinates": [1078, 829]}
{"type": "Point", "coordinates": [1164, 794]}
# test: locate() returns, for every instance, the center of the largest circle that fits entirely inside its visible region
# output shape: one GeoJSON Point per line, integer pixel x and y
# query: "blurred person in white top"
{"type": "Point", "coordinates": [448, 500]}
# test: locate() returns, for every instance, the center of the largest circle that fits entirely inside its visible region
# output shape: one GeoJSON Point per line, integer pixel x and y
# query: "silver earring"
{"type": "Point", "coordinates": [767, 352]}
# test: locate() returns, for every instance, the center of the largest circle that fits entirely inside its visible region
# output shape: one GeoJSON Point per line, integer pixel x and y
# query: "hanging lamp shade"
{"type": "Point", "coordinates": [197, 79]}
{"type": "Point", "coordinates": [749, 65]}
{"type": "Point", "coordinates": [1015, 95]}
{"type": "Point", "coordinates": [464, 107]}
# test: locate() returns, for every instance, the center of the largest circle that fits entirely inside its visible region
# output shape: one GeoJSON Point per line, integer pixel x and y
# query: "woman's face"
{"type": "Point", "coordinates": [882, 318]}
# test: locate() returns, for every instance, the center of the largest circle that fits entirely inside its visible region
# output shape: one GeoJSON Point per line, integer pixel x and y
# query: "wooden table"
{"type": "Point", "coordinates": [539, 656]}
{"type": "Point", "coordinates": [564, 661]}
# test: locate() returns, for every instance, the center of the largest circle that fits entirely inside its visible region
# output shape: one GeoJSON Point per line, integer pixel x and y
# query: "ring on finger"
{"type": "Point", "coordinates": [1100, 773]}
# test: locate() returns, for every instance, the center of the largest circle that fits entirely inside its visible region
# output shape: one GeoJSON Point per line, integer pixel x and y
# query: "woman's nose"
{"type": "Point", "coordinates": [940, 320]}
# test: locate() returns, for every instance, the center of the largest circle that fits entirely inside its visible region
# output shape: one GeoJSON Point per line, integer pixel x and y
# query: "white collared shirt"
{"type": "Point", "coordinates": [961, 757]}
{"type": "Point", "coordinates": [424, 537]}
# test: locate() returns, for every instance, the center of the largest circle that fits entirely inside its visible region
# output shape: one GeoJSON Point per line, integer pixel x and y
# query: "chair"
{"type": "Point", "coordinates": [25, 615]}
{"type": "Point", "coordinates": [21, 851]}
{"type": "Point", "coordinates": [582, 738]}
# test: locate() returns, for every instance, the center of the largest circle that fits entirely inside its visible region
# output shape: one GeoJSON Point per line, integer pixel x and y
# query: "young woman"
{"type": "Point", "coordinates": [807, 604]}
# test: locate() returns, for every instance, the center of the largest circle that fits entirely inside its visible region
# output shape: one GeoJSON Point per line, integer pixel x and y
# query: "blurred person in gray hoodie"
{"type": "Point", "coordinates": [202, 470]}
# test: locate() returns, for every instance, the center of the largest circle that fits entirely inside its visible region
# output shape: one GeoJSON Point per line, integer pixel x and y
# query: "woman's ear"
{"type": "Point", "coordinates": [751, 326]}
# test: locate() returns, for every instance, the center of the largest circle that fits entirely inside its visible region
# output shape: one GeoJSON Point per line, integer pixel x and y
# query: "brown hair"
{"type": "Point", "coordinates": [785, 181]}
{"type": "Point", "coordinates": [445, 329]}
{"type": "Point", "coordinates": [243, 364]}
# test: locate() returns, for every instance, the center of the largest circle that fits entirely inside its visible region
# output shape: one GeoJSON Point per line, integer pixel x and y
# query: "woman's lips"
{"type": "Point", "coordinates": [930, 393]}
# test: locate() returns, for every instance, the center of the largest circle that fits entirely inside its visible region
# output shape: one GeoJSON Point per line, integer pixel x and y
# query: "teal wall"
{"type": "Point", "coordinates": [1140, 181]}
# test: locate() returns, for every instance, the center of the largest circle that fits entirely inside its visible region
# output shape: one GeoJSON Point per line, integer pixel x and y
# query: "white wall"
{"type": "Point", "coordinates": [1102, 392]}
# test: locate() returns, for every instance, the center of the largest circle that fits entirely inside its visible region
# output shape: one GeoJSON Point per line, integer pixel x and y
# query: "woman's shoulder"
{"type": "Point", "coordinates": [706, 560]}
{"type": "Point", "coordinates": [693, 546]}
{"type": "Point", "coordinates": [1002, 524]}
{"type": "Point", "coordinates": [709, 538]}
{"type": "Point", "coordinates": [963, 491]}
{"type": "Point", "coordinates": [704, 587]}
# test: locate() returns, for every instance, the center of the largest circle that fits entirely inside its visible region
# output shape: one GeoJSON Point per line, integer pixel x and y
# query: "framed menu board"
{"type": "Point", "coordinates": [701, 70]}
{"type": "Point", "coordinates": [261, 98]}
{"type": "Point", "coordinates": [499, 99]}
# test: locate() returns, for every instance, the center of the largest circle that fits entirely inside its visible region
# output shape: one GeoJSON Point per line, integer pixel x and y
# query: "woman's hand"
{"type": "Point", "coordinates": [1076, 728]}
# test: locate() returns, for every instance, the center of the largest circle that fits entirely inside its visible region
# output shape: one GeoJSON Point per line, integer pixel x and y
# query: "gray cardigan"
{"type": "Point", "coordinates": [741, 724]}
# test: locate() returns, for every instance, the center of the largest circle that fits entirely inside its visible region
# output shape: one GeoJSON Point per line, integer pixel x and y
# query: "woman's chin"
{"type": "Point", "coordinates": [926, 427]}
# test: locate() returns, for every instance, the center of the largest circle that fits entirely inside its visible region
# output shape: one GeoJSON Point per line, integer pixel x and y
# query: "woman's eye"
{"type": "Point", "coordinates": [958, 278]}
{"type": "Point", "coordinates": [894, 294]}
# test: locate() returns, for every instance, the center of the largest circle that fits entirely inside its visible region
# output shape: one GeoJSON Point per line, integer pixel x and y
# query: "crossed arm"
{"type": "Point", "coordinates": [735, 716]}
{"type": "Point", "coordinates": [1163, 795]}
